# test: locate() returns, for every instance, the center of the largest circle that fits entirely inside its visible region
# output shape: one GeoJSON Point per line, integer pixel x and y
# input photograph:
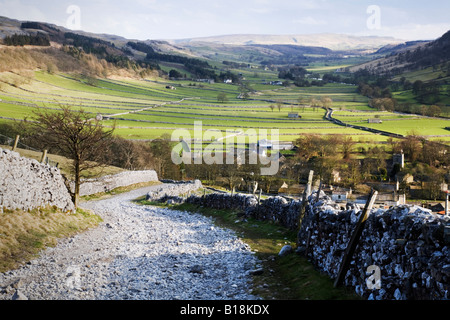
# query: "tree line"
{"type": "Point", "coordinates": [337, 160]}
{"type": "Point", "coordinates": [199, 68]}
{"type": "Point", "coordinates": [24, 40]}
{"type": "Point", "coordinates": [431, 54]}
{"type": "Point", "coordinates": [328, 155]}
{"type": "Point", "coordinates": [381, 98]}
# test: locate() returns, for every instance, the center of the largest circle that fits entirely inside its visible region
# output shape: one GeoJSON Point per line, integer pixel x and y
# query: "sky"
{"type": "Point", "coordinates": [180, 19]}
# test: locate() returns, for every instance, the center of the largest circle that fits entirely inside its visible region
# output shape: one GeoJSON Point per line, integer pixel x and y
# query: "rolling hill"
{"type": "Point", "coordinates": [191, 58]}
{"type": "Point", "coordinates": [416, 56]}
{"type": "Point", "coordinates": [336, 42]}
{"type": "Point", "coordinates": [259, 49]}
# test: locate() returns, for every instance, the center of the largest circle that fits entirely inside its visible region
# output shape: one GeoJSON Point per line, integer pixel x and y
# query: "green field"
{"type": "Point", "coordinates": [146, 109]}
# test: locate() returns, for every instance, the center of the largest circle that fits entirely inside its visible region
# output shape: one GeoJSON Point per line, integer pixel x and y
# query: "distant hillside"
{"type": "Point", "coordinates": [91, 54]}
{"type": "Point", "coordinates": [192, 58]}
{"type": "Point", "coordinates": [408, 58]}
{"type": "Point", "coordinates": [326, 40]}
{"type": "Point", "coordinates": [397, 48]}
{"type": "Point", "coordinates": [282, 49]}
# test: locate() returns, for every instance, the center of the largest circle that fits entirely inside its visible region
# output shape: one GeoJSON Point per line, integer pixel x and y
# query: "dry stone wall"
{"type": "Point", "coordinates": [403, 252]}
{"type": "Point", "coordinates": [110, 182]}
{"type": "Point", "coordinates": [27, 184]}
{"type": "Point", "coordinates": [173, 191]}
{"type": "Point", "coordinates": [276, 209]}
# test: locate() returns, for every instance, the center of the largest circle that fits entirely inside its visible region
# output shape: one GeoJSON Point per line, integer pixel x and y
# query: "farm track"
{"type": "Point", "coordinates": [329, 116]}
{"type": "Point", "coordinates": [139, 253]}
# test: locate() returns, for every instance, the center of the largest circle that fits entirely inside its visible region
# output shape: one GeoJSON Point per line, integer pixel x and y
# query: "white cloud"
{"type": "Point", "coordinates": [155, 19]}
{"type": "Point", "coordinates": [411, 31]}
{"type": "Point", "coordinates": [17, 10]}
{"type": "Point", "coordinates": [308, 4]}
{"type": "Point", "coordinates": [421, 31]}
{"type": "Point", "coordinates": [261, 10]}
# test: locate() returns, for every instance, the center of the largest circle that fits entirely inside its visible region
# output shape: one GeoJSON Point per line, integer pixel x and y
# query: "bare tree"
{"type": "Point", "coordinates": [75, 135]}
{"type": "Point", "coordinates": [222, 97]}
{"type": "Point", "coordinates": [163, 164]}
{"type": "Point", "coordinates": [319, 152]}
{"type": "Point", "coordinates": [129, 154]}
{"type": "Point", "coordinates": [412, 146]}
{"type": "Point", "coordinates": [279, 104]}
{"type": "Point", "coordinates": [347, 147]}
{"type": "Point", "coordinates": [315, 103]}
{"type": "Point", "coordinates": [327, 102]}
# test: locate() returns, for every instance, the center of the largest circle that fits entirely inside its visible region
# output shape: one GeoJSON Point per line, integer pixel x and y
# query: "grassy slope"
{"type": "Point", "coordinates": [23, 234]}
{"type": "Point", "coordinates": [163, 111]}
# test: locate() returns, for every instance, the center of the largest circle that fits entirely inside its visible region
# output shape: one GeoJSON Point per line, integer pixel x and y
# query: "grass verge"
{"type": "Point", "coordinates": [24, 233]}
{"type": "Point", "coordinates": [291, 277]}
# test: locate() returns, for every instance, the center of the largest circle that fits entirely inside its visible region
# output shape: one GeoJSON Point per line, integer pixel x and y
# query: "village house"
{"type": "Point", "coordinates": [292, 190]}
{"type": "Point", "coordinates": [210, 81]}
{"type": "Point", "coordinates": [399, 158]}
{"type": "Point", "coordinates": [264, 143]}
{"type": "Point", "coordinates": [276, 83]}
{"type": "Point", "coordinates": [294, 115]}
{"type": "Point", "coordinates": [339, 196]}
{"type": "Point", "coordinates": [404, 177]}
{"type": "Point", "coordinates": [336, 177]}
{"type": "Point", "coordinates": [390, 199]}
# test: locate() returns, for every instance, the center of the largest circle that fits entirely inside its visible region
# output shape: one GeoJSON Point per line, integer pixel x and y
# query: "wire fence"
{"type": "Point", "coordinates": [15, 143]}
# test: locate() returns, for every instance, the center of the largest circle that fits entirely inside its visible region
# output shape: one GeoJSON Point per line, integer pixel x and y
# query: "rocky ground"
{"type": "Point", "coordinates": [138, 252]}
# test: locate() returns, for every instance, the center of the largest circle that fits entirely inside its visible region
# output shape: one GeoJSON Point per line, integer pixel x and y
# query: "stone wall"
{"type": "Point", "coordinates": [408, 245]}
{"type": "Point", "coordinates": [276, 209]}
{"type": "Point", "coordinates": [173, 191]}
{"type": "Point", "coordinates": [110, 182]}
{"type": "Point", "coordinates": [27, 184]}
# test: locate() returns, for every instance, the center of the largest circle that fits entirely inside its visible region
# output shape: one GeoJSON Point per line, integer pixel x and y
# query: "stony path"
{"type": "Point", "coordinates": [138, 252]}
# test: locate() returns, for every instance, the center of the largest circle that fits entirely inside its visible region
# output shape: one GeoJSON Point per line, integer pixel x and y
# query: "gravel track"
{"type": "Point", "coordinates": [138, 253]}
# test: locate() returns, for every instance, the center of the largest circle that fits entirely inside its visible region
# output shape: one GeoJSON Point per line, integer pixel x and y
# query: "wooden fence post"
{"type": "Point", "coordinates": [304, 202]}
{"type": "Point", "coordinates": [446, 211]}
{"type": "Point", "coordinates": [308, 189]}
{"type": "Point", "coordinates": [15, 143]}
{"type": "Point", "coordinates": [318, 191]}
{"type": "Point", "coordinates": [44, 156]}
{"type": "Point", "coordinates": [351, 246]}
